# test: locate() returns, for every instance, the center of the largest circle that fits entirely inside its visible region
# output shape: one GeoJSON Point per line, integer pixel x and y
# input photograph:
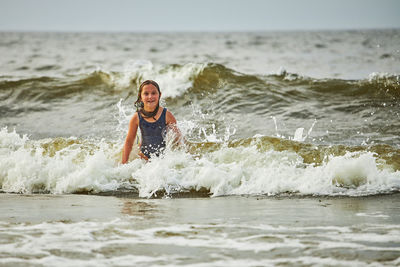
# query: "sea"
{"type": "Point", "coordinates": [291, 152]}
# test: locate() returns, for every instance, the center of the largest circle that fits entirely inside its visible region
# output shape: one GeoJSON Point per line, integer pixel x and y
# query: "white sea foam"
{"type": "Point", "coordinates": [376, 76]}
{"type": "Point", "coordinates": [373, 215]}
{"type": "Point", "coordinates": [173, 80]}
{"type": "Point", "coordinates": [93, 243]}
{"type": "Point", "coordinates": [26, 167]}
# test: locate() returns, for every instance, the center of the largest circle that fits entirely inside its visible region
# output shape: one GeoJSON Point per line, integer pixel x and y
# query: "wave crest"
{"type": "Point", "coordinates": [200, 79]}
{"type": "Point", "coordinates": [262, 165]}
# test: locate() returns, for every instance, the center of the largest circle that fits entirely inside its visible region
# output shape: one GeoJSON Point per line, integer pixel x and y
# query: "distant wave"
{"type": "Point", "coordinates": [216, 76]}
{"type": "Point", "coordinates": [232, 90]}
{"type": "Point", "coordinates": [176, 80]}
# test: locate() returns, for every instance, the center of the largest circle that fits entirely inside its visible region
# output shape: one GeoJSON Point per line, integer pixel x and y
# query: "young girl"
{"type": "Point", "coordinates": [154, 121]}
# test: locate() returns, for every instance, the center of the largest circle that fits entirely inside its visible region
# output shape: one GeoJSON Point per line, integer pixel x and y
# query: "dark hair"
{"type": "Point", "coordinates": [139, 103]}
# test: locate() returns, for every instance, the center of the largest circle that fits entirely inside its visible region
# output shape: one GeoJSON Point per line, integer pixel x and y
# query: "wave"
{"type": "Point", "coordinates": [310, 153]}
{"type": "Point", "coordinates": [173, 79]}
{"type": "Point", "coordinates": [199, 79]}
{"type": "Point", "coordinates": [292, 85]}
{"type": "Point", "coordinates": [253, 166]}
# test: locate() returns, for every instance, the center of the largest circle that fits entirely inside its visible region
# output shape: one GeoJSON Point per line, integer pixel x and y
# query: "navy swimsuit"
{"type": "Point", "coordinates": [153, 134]}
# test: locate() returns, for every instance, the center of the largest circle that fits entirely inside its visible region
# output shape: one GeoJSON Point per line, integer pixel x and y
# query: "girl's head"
{"type": "Point", "coordinates": [148, 96]}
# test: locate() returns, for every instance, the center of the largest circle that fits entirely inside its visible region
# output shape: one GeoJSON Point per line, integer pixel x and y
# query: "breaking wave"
{"type": "Point", "coordinates": [253, 166]}
{"type": "Point", "coordinates": [200, 79]}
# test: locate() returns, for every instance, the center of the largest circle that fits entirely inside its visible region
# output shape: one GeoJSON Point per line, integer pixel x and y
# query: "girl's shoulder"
{"type": "Point", "coordinates": [169, 117]}
{"type": "Point", "coordinates": [135, 118]}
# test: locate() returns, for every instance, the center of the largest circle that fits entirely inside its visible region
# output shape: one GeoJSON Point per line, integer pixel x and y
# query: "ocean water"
{"type": "Point", "coordinates": [271, 119]}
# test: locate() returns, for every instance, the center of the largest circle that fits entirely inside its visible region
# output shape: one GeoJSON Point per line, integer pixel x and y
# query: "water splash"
{"type": "Point", "coordinates": [74, 166]}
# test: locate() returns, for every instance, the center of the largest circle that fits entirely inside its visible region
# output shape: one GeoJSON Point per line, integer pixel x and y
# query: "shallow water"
{"type": "Point", "coordinates": [245, 231]}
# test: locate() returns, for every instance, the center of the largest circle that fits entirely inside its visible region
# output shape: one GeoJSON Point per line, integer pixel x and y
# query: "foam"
{"type": "Point", "coordinates": [245, 170]}
{"type": "Point", "coordinates": [53, 243]}
{"type": "Point", "coordinates": [25, 166]}
{"type": "Point", "coordinates": [174, 80]}
{"type": "Point", "coordinates": [376, 76]}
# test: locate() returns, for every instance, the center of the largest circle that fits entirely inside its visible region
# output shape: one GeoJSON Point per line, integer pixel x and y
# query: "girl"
{"type": "Point", "coordinates": [153, 121]}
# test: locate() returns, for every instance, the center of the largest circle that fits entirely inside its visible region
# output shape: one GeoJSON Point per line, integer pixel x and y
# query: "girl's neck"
{"type": "Point", "coordinates": [149, 110]}
{"type": "Point", "coordinates": [150, 114]}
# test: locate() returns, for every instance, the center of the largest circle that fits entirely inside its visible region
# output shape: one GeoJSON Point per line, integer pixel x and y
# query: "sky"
{"type": "Point", "coordinates": [196, 15]}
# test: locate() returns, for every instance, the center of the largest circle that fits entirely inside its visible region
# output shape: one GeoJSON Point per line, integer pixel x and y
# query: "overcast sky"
{"type": "Point", "coordinates": [198, 15]}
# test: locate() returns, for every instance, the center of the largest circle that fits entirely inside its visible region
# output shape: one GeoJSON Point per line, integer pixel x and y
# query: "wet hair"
{"type": "Point", "coordinates": [139, 103]}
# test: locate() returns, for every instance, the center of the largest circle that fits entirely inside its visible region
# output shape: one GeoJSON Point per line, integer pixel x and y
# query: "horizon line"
{"type": "Point", "coordinates": [198, 31]}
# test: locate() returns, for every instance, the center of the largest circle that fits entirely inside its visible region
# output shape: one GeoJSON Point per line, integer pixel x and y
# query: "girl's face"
{"type": "Point", "coordinates": [150, 97]}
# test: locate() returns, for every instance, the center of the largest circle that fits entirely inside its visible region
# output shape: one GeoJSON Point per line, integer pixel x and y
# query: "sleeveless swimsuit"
{"type": "Point", "coordinates": [153, 134]}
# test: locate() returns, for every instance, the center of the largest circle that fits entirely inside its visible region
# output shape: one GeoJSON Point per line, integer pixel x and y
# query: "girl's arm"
{"type": "Point", "coordinates": [130, 138]}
